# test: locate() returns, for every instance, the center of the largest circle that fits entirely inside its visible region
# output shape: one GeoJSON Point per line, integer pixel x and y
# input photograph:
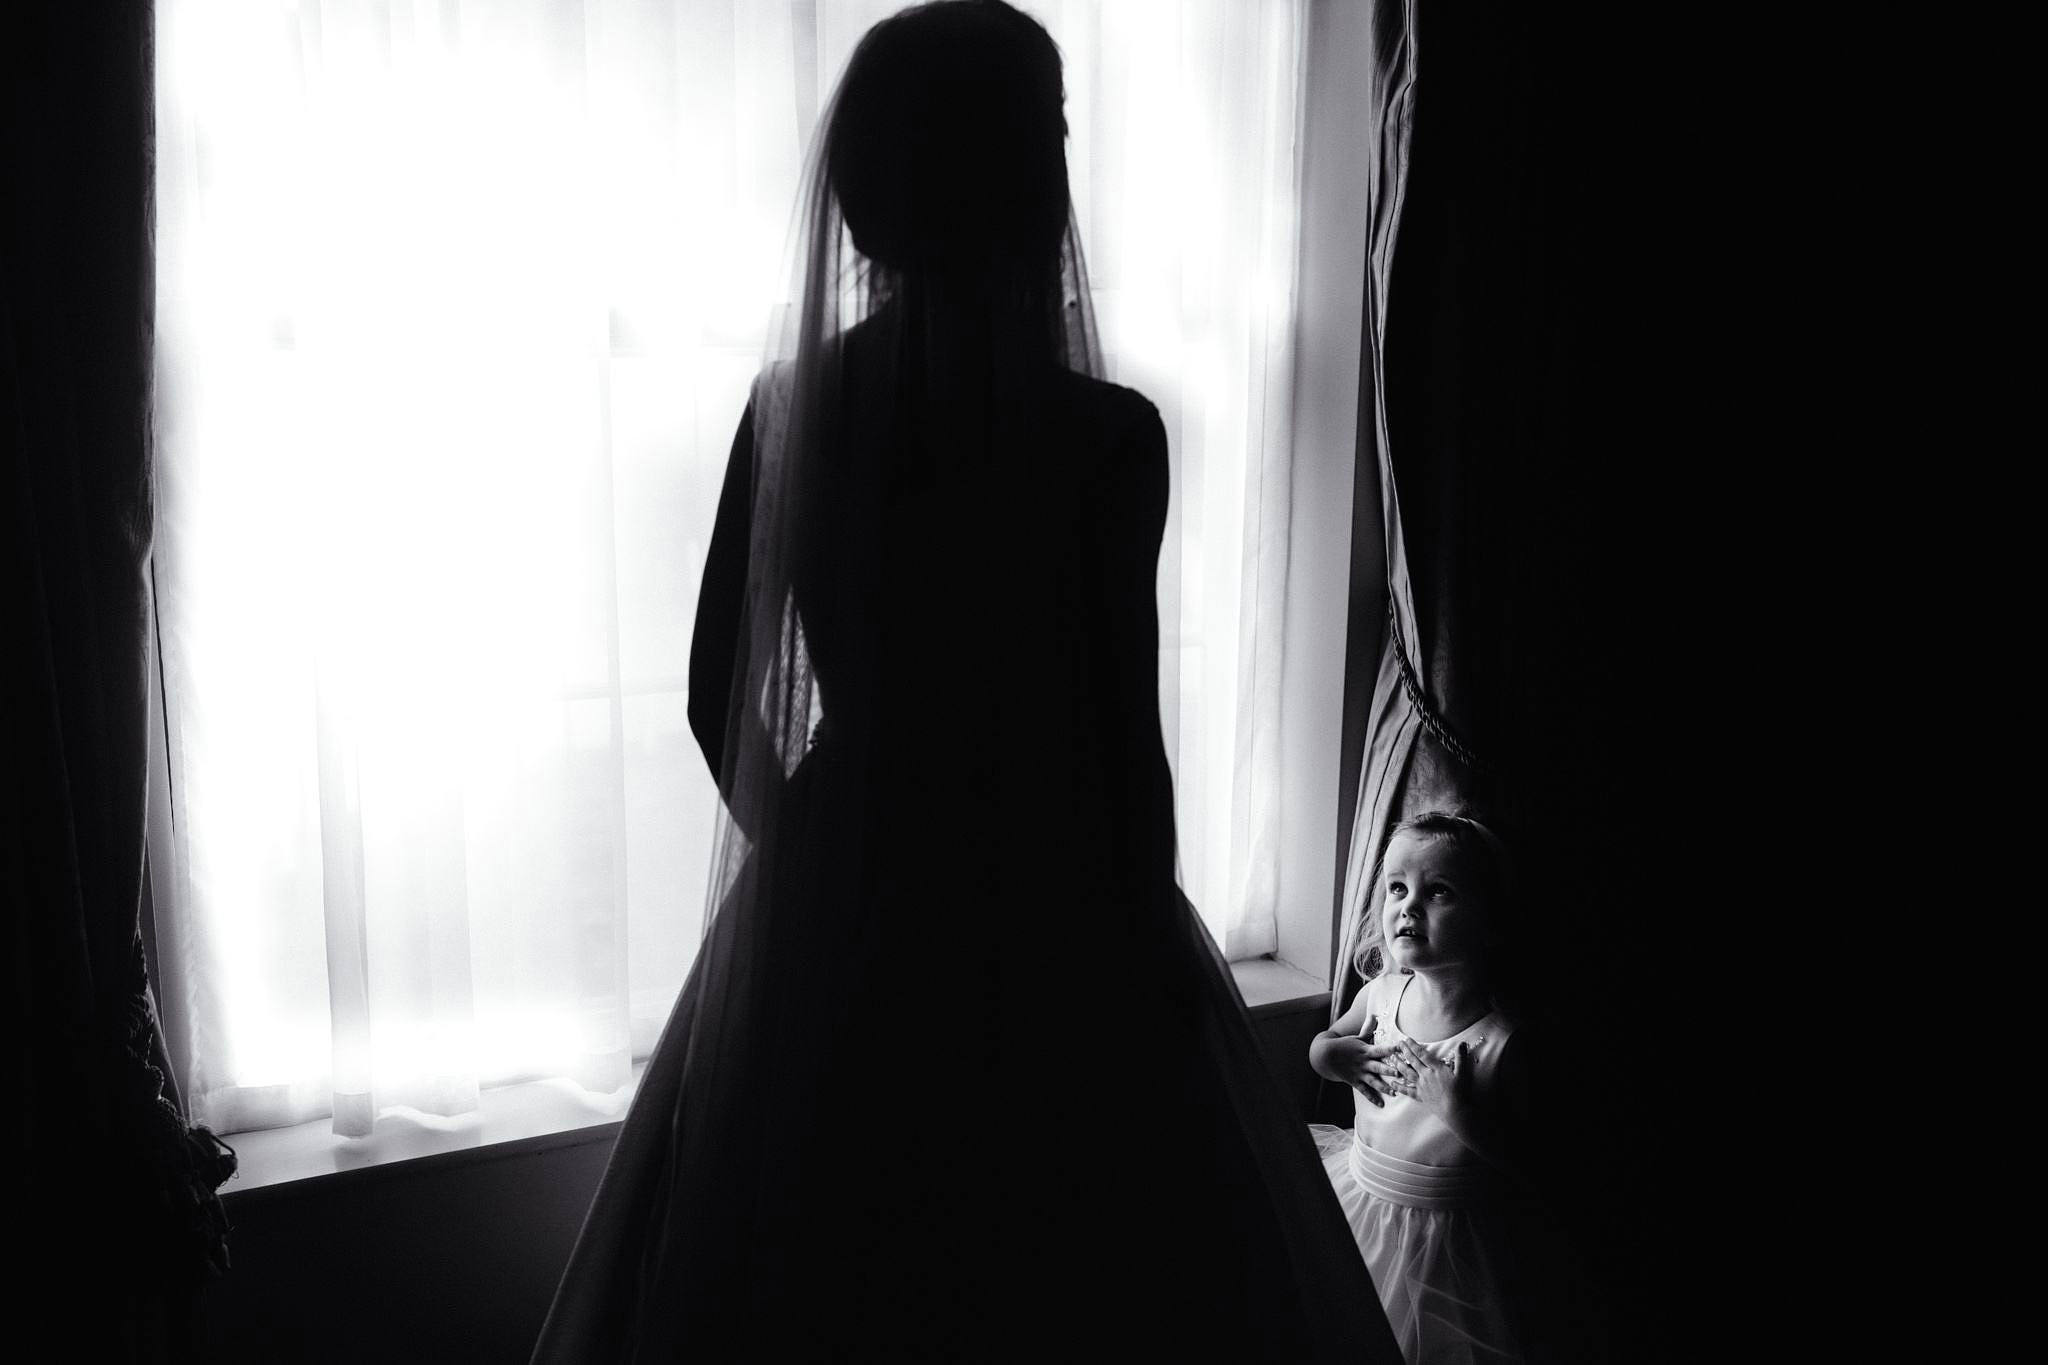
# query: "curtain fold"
{"type": "Point", "coordinates": [1486, 516]}
{"type": "Point", "coordinates": [115, 1202]}
{"type": "Point", "coordinates": [1405, 764]}
{"type": "Point", "coordinates": [1529, 323]}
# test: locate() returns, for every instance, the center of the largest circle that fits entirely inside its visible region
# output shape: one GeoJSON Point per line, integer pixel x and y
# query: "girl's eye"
{"type": "Point", "coordinates": [1397, 888]}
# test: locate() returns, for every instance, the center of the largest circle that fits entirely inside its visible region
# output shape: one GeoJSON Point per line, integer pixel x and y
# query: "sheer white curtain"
{"type": "Point", "coordinates": [458, 305]}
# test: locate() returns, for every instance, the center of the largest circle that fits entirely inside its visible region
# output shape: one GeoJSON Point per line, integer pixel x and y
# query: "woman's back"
{"type": "Point", "coordinates": [983, 635]}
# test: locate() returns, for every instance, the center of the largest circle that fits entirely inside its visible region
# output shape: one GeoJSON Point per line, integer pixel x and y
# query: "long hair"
{"type": "Point", "coordinates": [943, 155]}
{"type": "Point", "coordinates": [938, 290]}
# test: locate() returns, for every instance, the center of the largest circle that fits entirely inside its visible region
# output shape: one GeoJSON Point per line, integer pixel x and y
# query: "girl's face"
{"type": "Point", "coordinates": [1432, 915]}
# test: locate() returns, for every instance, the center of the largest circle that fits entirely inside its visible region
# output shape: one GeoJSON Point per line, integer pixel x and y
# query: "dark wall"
{"type": "Point", "coordinates": [450, 1258]}
{"type": "Point", "coordinates": [454, 1258]}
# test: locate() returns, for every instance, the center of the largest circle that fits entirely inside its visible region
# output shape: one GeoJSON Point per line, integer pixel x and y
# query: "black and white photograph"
{"type": "Point", "coordinates": [837, 680]}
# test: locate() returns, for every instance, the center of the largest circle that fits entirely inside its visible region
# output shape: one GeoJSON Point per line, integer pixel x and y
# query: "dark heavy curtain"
{"type": "Point", "coordinates": [113, 1212]}
{"type": "Point", "coordinates": [1534, 411]}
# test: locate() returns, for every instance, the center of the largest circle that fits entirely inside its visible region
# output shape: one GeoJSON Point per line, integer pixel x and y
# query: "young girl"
{"type": "Point", "coordinates": [1424, 1175]}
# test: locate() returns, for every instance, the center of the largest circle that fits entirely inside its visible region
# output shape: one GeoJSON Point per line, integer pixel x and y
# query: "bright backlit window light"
{"type": "Point", "coordinates": [459, 301]}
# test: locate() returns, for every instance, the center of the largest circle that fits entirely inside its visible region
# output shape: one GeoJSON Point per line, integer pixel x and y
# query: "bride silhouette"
{"type": "Point", "coordinates": [957, 1073]}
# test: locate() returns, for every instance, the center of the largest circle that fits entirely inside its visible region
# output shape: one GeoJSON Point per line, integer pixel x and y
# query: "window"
{"type": "Point", "coordinates": [458, 306]}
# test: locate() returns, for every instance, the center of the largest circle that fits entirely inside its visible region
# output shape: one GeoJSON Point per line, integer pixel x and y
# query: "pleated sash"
{"type": "Point", "coordinates": [1417, 1186]}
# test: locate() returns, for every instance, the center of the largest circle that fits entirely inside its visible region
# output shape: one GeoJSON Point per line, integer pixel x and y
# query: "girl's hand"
{"type": "Point", "coordinates": [1363, 1064]}
{"type": "Point", "coordinates": [1430, 1081]}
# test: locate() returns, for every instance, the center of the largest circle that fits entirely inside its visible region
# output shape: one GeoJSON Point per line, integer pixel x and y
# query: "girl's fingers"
{"type": "Point", "coordinates": [1418, 1056]}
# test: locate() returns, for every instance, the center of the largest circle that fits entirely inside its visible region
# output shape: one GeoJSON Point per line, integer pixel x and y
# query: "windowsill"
{"type": "Point", "coordinates": [1270, 986]}
{"type": "Point", "coordinates": [530, 1114]}
{"type": "Point", "coordinates": [527, 1115]}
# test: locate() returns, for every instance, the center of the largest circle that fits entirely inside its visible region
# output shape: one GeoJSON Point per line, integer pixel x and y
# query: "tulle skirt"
{"type": "Point", "coordinates": [861, 1138]}
{"type": "Point", "coordinates": [1444, 1276]}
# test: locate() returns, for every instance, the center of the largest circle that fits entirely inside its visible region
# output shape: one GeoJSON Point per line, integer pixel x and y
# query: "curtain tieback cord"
{"type": "Point", "coordinates": [1424, 712]}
